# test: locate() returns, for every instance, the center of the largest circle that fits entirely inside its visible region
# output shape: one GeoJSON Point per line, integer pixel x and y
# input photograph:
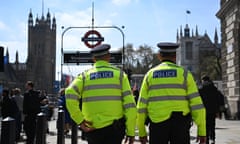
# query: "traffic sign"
{"type": "Point", "coordinates": [92, 38]}
{"type": "Point", "coordinates": [86, 57]}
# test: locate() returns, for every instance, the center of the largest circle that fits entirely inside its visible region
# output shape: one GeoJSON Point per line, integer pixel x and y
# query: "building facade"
{"type": "Point", "coordinates": [197, 52]}
{"type": "Point", "coordinates": [229, 15]}
{"type": "Point", "coordinates": [41, 59]}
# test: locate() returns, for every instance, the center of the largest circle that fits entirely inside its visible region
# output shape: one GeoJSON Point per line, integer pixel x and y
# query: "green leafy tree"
{"type": "Point", "coordinates": [210, 64]}
{"type": "Point", "coordinates": [141, 59]}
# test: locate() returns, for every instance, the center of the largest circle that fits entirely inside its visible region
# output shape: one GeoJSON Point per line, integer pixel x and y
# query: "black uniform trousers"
{"type": "Point", "coordinates": [211, 125]}
{"type": "Point", "coordinates": [112, 134]}
{"type": "Point", "coordinates": [30, 128]}
{"type": "Point", "coordinates": [175, 130]}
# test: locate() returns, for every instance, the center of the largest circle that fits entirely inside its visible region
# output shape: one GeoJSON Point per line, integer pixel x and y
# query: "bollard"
{"type": "Point", "coordinates": [74, 137]}
{"type": "Point", "coordinates": [60, 126]}
{"type": "Point", "coordinates": [41, 128]}
{"type": "Point", "coordinates": [8, 133]}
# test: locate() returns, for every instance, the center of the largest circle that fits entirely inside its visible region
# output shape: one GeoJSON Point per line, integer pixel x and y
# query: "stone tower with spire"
{"type": "Point", "coordinates": [41, 60]}
{"type": "Point", "coordinates": [193, 50]}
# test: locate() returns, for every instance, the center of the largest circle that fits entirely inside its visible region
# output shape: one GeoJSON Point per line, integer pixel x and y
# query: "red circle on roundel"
{"type": "Point", "coordinates": [89, 33]}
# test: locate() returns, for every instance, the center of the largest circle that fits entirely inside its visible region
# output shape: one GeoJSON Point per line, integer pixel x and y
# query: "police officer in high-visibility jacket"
{"type": "Point", "coordinates": [108, 111]}
{"type": "Point", "coordinates": [169, 98]}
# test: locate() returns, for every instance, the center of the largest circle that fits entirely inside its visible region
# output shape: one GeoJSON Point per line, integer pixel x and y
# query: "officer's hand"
{"type": "Point", "coordinates": [86, 126]}
{"type": "Point", "coordinates": [201, 139]}
{"type": "Point", "coordinates": [143, 140]}
{"type": "Point", "coordinates": [129, 140]}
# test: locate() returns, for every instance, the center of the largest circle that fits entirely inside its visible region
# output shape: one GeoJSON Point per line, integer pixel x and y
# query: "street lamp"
{"type": "Point", "coordinates": [88, 27]}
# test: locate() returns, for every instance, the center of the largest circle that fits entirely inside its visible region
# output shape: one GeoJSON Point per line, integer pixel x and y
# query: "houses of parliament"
{"type": "Point", "coordinates": [40, 64]}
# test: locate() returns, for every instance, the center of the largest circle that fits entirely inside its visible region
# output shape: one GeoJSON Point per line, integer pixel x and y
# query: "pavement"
{"type": "Point", "coordinates": [227, 132]}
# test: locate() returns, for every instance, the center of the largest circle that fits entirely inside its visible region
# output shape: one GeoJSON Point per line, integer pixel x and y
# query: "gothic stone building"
{"type": "Point", "coordinates": [196, 50]}
{"type": "Point", "coordinates": [229, 15]}
{"type": "Point", "coordinates": [41, 60]}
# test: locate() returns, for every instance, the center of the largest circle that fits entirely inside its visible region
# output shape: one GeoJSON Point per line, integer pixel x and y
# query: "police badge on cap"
{"type": "Point", "coordinates": [167, 47]}
{"type": "Point", "coordinates": [100, 50]}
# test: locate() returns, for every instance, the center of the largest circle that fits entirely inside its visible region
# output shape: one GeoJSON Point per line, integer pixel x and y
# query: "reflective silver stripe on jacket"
{"type": "Point", "coordinates": [102, 86]}
{"type": "Point", "coordinates": [143, 100]}
{"type": "Point", "coordinates": [166, 86]}
{"type": "Point", "coordinates": [163, 98]}
{"type": "Point", "coordinates": [101, 98]}
{"type": "Point", "coordinates": [142, 110]}
{"type": "Point", "coordinates": [71, 96]}
{"type": "Point", "coordinates": [76, 89]}
{"type": "Point", "coordinates": [196, 107]}
{"type": "Point", "coordinates": [126, 93]}
{"type": "Point", "coordinates": [129, 105]}
{"type": "Point", "coordinates": [193, 95]}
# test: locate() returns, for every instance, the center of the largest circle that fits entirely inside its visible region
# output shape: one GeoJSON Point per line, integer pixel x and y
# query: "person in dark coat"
{"type": "Point", "coordinates": [5, 104]}
{"type": "Point", "coordinates": [9, 106]}
{"type": "Point", "coordinates": [62, 102]}
{"type": "Point", "coordinates": [10, 109]}
{"type": "Point", "coordinates": [31, 107]}
{"type": "Point", "coordinates": [210, 97]}
{"type": "Point", "coordinates": [222, 108]}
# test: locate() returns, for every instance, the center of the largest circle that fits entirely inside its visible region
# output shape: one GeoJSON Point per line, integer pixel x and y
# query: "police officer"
{"type": "Point", "coordinates": [169, 99]}
{"type": "Point", "coordinates": [108, 106]}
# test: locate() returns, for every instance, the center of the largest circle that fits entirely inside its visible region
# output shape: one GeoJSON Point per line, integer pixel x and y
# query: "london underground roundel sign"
{"type": "Point", "coordinates": [92, 38]}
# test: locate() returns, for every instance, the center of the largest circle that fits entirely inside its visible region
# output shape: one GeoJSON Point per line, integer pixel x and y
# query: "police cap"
{"type": "Point", "coordinates": [100, 50]}
{"type": "Point", "coordinates": [167, 47]}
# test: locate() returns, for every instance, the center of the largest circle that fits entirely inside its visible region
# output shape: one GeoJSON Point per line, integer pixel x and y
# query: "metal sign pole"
{"type": "Point", "coordinates": [88, 27]}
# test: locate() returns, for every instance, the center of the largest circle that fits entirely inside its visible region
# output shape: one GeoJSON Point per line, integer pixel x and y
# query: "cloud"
{"type": "Point", "coordinates": [72, 37]}
{"type": "Point", "coordinates": [3, 26]}
{"type": "Point", "coordinates": [77, 18]}
{"type": "Point", "coordinates": [13, 47]}
{"type": "Point", "coordinates": [121, 2]}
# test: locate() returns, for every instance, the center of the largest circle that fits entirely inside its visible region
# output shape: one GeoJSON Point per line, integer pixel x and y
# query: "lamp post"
{"type": "Point", "coordinates": [89, 27]}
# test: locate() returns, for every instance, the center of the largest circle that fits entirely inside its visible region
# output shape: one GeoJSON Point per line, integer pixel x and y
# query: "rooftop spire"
{"type": "Point", "coordinates": [216, 37]}
{"type": "Point", "coordinates": [42, 7]}
{"type": "Point", "coordinates": [196, 33]}
{"type": "Point", "coordinates": [92, 14]}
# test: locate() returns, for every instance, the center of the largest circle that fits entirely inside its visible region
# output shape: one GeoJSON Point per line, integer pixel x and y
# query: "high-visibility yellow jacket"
{"type": "Point", "coordinates": [106, 96]}
{"type": "Point", "coordinates": [167, 88]}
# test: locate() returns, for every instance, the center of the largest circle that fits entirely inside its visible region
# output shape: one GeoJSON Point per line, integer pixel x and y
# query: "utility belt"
{"type": "Point", "coordinates": [120, 127]}
{"type": "Point", "coordinates": [179, 114]}
{"type": "Point", "coordinates": [119, 124]}
{"type": "Point", "coordinates": [116, 129]}
{"type": "Point", "coordinates": [174, 114]}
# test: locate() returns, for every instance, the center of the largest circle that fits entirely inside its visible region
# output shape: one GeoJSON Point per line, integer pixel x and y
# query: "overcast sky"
{"type": "Point", "coordinates": [146, 22]}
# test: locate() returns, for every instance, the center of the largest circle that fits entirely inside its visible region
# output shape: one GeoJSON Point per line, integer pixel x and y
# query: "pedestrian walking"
{"type": "Point", "coordinates": [18, 98]}
{"type": "Point", "coordinates": [211, 100]}
{"type": "Point", "coordinates": [108, 106]}
{"type": "Point", "coordinates": [222, 106]}
{"type": "Point", "coordinates": [62, 103]}
{"type": "Point", "coordinates": [31, 107]}
{"type": "Point", "coordinates": [169, 99]}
